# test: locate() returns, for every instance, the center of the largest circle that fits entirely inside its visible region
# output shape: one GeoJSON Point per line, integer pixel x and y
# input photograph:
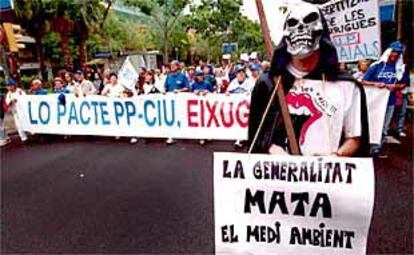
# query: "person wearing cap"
{"type": "Point", "coordinates": [200, 86]}
{"type": "Point", "coordinates": [59, 86]}
{"type": "Point", "coordinates": [13, 95]}
{"type": "Point", "coordinates": [254, 72]}
{"type": "Point", "coordinates": [388, 73]}
{"type": "Point", "coordinates": [241, 84]}
{"type": "Point", "coordinates": [176, 82]}
{"type": "Point", "coordinates": [209, 74]}
{"type": "Point", "coordinates": [36, 88]}
{"type": "Point", "coordinates": [244, 58]}
{"type": "Point", "coordinates": [83, 87]}
{"type": "Point", "coordinates": [227, 66]}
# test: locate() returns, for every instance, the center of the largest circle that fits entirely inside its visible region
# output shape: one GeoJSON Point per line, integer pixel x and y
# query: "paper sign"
{"type": "Point", "coordinates": [267, 204]}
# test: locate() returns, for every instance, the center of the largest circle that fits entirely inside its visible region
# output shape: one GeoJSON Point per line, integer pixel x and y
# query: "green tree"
{"type": "Point", "coordinates": [217, 22]}
{"type": "Point", "coordinates": [163, 18]}
{"type": "Point", "coordinates": [33, 16]}
{"type": "Point", "coordinates": [120, 34]}
{"type": "Point", "coordinates": [76, 18]}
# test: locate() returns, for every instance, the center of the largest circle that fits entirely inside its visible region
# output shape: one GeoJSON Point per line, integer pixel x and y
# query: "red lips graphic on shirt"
{"type": "Point", "coordinates": [304, 100]}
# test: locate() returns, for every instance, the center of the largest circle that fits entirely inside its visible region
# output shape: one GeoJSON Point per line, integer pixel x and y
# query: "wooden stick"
{"type": "Point", "coordinates": [264, 116]}
{"type": "Point", "coordinates": [293, 145]}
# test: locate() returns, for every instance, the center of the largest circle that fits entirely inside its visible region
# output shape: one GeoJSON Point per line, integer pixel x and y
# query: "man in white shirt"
{"type": "Point", "coordinates": [82, 86]}
{"type": "Point", "coordinates": [13, 95]}
{"type": "Point", "coordinates": [242, 84]}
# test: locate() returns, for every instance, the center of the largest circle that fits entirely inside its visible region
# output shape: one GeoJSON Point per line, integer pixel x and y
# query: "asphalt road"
{"type": "Point", "coordinates": [107, 196]}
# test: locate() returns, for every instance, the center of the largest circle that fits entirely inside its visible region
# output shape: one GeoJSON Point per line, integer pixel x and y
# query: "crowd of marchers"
{"type": "Point", "coordinates": [230, 76]}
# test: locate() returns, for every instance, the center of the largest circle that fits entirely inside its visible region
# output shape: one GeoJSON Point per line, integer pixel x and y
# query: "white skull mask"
{"type": "Point", "coordinates": [303, 30]}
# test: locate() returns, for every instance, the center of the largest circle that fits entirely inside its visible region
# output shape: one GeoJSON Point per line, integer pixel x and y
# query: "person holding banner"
{"type": "Point", "coordinates": [388, 73]}
{"type": "Point", "coordinates": [113, 89]}
{"type": "Point", "coordinates": [36, 88]}
{"type": "Point", "coordinates": [176, 82]}
{"type": "Point", "coordinates": [201, 87]}
{"type": "Point", "coordinates": [241, 84]}
{"type": "Point", "coordinates": [327, 107]}
{"type": "Point", "coordinates": [13, 94]}
{"type": "Point", "coordinates": [82, 86]}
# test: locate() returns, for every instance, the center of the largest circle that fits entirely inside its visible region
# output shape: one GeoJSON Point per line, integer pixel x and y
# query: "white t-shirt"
{"type": "Point", "coordinates": [236, 87]}
{"type": "Point", "coordinates": [14, 96]}
{"type": "Point", "coordinates": [325, 111]}
{"type": "Point", "coordinates": [116, 90]}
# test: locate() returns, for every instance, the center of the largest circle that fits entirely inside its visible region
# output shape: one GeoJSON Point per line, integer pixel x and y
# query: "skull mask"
{"type": "Point", "coordinates": [303, 30]}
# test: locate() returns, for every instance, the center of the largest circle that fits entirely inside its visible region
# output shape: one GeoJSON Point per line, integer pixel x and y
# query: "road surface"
{"type": "Point", "coordinates": [107, 196]}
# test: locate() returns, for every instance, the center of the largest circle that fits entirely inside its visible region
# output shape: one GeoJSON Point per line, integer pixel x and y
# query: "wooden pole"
{"type": "Point", "coordinates": [293, 145]}
{"type": "Point", "coordinates": [400, 11]}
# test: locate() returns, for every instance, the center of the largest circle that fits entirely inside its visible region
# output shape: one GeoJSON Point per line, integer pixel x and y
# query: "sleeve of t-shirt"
{"type": "Point", "coordinates": [370, 74]}
{"type": "Point", "coordinates": [352, 121]}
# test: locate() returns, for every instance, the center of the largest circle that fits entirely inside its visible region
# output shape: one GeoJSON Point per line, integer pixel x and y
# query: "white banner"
{"type": "Point", "coordinates": [377, 101]}
{"type": "Point", "coordinates": [267, 204]}
{"type": "Point", "coordinates": [185, 115]}
{"type": "Point", "coordinates": [127, 75]}
{"type": "Point", "coordinates": [354, 28]}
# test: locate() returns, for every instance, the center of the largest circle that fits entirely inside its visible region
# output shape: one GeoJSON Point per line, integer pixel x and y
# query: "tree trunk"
{"type": "Point", "coordinates": [39, 53]}
{"type": "Point", "coordinates": [166, 47]}
{"type": "Point", "coordinates": [67, 58]}
{"type": "Point", "coordinates": [82, 51]}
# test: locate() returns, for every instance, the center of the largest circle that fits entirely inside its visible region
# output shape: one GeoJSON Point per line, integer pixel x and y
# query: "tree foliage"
{"type": "Point", "coordinates": [163, 17]}
{"type": "Point", "coordinates": [218, 22]}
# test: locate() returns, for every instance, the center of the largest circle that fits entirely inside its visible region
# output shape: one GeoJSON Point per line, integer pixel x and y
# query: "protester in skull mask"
{"type": "Point", "coordinates": [327, 107]}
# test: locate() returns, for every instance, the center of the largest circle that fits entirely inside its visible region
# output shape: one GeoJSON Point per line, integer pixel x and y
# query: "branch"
{"type": "Point", "coordinates": [106, 12]}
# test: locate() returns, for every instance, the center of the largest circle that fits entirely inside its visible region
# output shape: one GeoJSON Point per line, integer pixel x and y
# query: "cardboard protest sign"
{"type": "Point", "coordinates": [267, 204]}
{"type": "Point", "coordinates": [215, 116]}
{"type": "Point", "coordinates": [354, 25]}
{"type": "Point", "coordinates": [355, 28]}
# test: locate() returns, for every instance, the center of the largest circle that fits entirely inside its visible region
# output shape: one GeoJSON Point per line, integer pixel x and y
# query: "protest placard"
{"type": "Point", "coordinates": [266, 204]}
{"type": "Point", "coordinates": [127, 75]}
{"type": "Point", "coordinates": [354, 27]}
{"type": "Point", "coordinates": [215, 116]}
